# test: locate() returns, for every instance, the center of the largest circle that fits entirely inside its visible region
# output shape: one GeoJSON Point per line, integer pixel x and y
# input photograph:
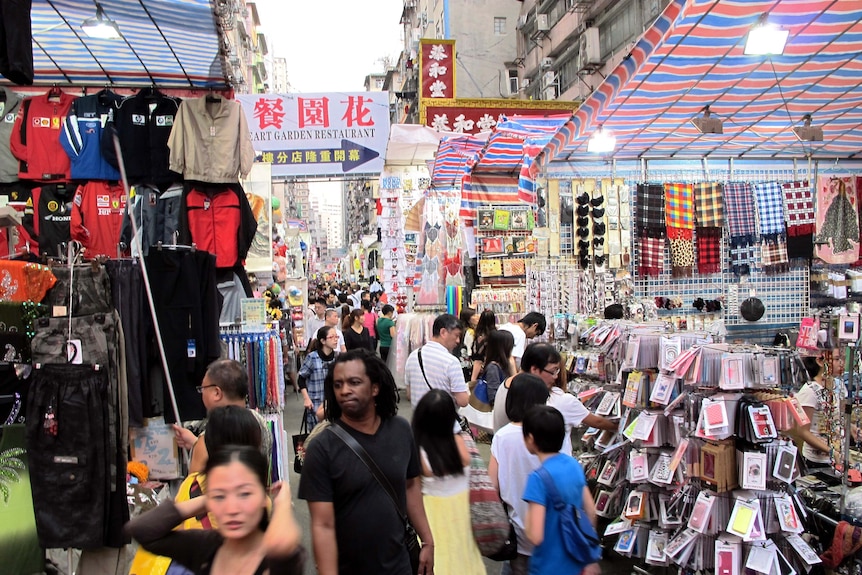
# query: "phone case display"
{"type": "Point", "coordinates": [697, 470]}
{"type": "Point", "coordinates": [504, 242]}
{"type": "Point", "coordinates": [35, 138]}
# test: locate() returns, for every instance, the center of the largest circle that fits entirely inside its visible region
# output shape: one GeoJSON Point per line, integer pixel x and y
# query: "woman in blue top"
{"type": "Point", "coordinates": [544, 429]}
{"type": "Point", "coordinates": [314, 369]}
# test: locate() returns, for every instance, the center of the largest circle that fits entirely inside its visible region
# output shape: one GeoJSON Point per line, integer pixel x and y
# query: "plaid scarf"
{"type": "Point", "coordinates": [773, 255]}
{"type": "Point", "coordinates": [798, 208]}
{"type": "Point", "coordinates": [651, 256]}
{"type": "Point", "coordinates": [770, 209]}
{"type": "Point", "coordinates": [679, 209]}
{"type": "Point", "coordinates": [740, 210]}
{"type": "Point", "coordinates": [649, 213]}
{"type": "Point", "coordinates": [708, 250]}
{"type": "Point", "coordinates": [741, 255]}
{"type": "Point", "coordinates": [708, 205]}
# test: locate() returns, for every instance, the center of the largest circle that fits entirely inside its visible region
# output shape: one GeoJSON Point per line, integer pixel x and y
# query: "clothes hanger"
{"type": "Point", "coordinates": [213, 98]}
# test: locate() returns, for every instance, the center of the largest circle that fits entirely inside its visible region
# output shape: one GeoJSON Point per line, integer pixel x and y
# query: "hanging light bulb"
{"type": "Point", "coordinates": [601, 142]}
{"type": "Point", "coordinates": [765, 39]}
{"type": "Point", "coordinates": [101, 26]}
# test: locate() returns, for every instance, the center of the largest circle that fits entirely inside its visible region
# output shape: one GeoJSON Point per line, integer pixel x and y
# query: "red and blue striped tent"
{"type": "Point", "coordinates": [692, 56]}
{"type": "Point", "coordinates": [455, 155]}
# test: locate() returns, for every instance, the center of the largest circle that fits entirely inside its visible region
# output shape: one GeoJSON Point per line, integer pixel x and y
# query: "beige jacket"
{"type": "Point", "coordinates": [210, 141]}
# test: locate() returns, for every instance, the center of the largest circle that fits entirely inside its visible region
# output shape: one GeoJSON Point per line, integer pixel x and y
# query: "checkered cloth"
{"type": "Point", "coordinates": [798, 208]}
{"type": "Point", "coordinates": [708, 250]}
{"type": "Point", "coordinates": [679, 207]}
{"type": "Point", "coordinates": [651, 256]}
{"type": "Point", "coordinates": [773, 255]}
{"type": "Point", "coordinates": [740, 211]}
{"type": "Point", "coordinates": [741, 256]}
{"type": "Point", "coordinates": [770, 209]}
{"type": "Point", "coordinates": [708, 205]}
{"type": "Point", "coordinates": [649, 215]}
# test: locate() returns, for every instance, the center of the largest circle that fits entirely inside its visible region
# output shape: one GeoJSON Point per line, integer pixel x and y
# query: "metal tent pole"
{"type": "Point", "coordinates": [147, 288]}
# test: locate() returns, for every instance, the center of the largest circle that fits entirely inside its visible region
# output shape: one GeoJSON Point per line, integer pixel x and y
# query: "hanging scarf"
{"type": "Point", "coordinates": [773, 255]}
{"type": "Point", "coordinates": [708, 250]}
{"type": "Point", "coordinates": [651, 252]}
{"type": "Point", "coordinates": [837, 220]}
{"type": "Point", "coordinates": [740, 212]}
{"type": "Point", "coordinates": [741, 256]}
{"type": "Point", "coordinates": [681, 252]}
{"type": "Point", "coordinates": [798, 208]}
{"type": "Point", "coordinates": [649, 212]}
{"type": "Point", "coordinates": [709, 207]}
{"type": "Point", "coordinates": [679, 210]}
{"type": "Point", "coordinates": [770, 209]}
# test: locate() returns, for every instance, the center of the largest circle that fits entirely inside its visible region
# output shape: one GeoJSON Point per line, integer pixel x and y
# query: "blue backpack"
{"type": "Point", "coordinates": [580, 539]}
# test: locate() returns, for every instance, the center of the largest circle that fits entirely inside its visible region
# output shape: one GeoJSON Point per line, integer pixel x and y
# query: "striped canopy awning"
{"type": "Point", "coordinates": [169, 43]}
{"type": "Point", "coordinates": [515, 139]}
{"type": "Point", "coordinates": [692, 56]}
{"type": "Point", "coordinates": [455, 155]}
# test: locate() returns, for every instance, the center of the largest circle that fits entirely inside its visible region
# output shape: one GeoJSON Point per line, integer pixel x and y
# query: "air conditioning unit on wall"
{"type": "Point", "coordinates": [590, 51]}
{"type": "Point", "coordinates": [542, 23]}
{"type": "Point", "coordinates": [547, 63]}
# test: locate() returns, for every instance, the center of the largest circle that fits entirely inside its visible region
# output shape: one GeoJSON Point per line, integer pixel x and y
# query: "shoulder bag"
{"type": "Point", "coordinates": [580, 539]}
{"type": "Point", "coordinates": [299, 440]}
{"type": "Point", "coordinates": [462, 421]}
{"type": "Point", "coordinates": [411, 539]}
{"type": "Point", "coordinates": [494, 534]}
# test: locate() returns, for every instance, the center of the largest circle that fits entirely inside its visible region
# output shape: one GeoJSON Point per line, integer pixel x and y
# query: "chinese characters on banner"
{"type": "Point", "coordinates": [319, 134]}
{"type": "Point", "coordinates": [436, 68]}
{"type": "Point", "coordinates": [463, 117]}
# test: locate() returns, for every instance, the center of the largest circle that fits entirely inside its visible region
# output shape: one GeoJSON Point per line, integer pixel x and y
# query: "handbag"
{"type": "Point", "coordinates": [580, 539]}
{"type": "Point", "coordinates": [488, 518]}
{"type": "Point", "coordinates": [411, 538]}
{"type": "Point", "coordinates": [299, 442]}
{"type": "Point", "coordinates": [462, 421]}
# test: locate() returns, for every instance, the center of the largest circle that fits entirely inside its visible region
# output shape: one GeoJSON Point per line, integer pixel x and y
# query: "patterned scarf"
{"type": "Point", "coordinates": [740, 210]}
{"type": "Point", "coordinates": [649, 215]}
{"type": "Point", "coordinates": [708, 205]}
{"type": "Point", "coordinates": [770, 209]}
{"type": "Point", "coordinates": [679, 209]}
{"type": "Point", "coordinates": [708, 250]}
{"type": "Point", "coordinates": [837, 220]}
{"type": "Point", "coordinates": [651, 256]}
{"type": "Point", "coordinates": [773, 255]}
{"type": "Point", "coordinates": [741, 255]}
{"type": "Point", "coordinates": [681, 252]}
{"type": "Point", "coordinates": [798, 208]}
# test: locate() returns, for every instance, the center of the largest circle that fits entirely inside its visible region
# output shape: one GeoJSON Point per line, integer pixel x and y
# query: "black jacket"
{"type": "Point", "coordinates": [143, 136]}
{"type": "Point", "coordinates": [48, 217]}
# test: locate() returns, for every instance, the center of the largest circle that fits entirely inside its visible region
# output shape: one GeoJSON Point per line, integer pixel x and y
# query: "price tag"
{"type": "Point", "coordinates": [191, 348]}
{"type": "Point", "coordinates": [74, 354]}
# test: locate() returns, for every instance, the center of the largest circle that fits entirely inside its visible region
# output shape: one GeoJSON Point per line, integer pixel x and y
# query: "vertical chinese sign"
{"type": "Point", "coordinates": [319, 134]}
{"type": "Point", "coordinates": [436, 69]}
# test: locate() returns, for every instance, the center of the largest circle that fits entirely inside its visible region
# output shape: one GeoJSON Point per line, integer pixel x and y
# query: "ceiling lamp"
{"type": "Point", "coordinates": [765, 39]}
{"type": "Point", "coordinates": [808, 133]}
{"type": "Point", "coordinates": [101, 26]}
{"type": "Point", "coordinates": [601, 142]}
{"type": "Point", "coordinates": [707, 124]}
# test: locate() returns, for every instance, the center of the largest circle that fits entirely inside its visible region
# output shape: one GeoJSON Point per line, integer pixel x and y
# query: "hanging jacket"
{"type": "Point", "coordinates": [8, 112]}
{"type": "Point", "coordinates": [210, 141]}
{"type": "Point", "coordinates": [97, 216]}
{"type": "Point", "coordinates": [157, 215]}
{"type": "Point", "coordinates": [81, 136]}
{"type": "Point", "coordinates": [143, 134]}
{"type": "Point", "coordinates": [36, 138]}
{"type": "Point", "coordinates": [48, 215]}
{"type": "Point", "coordinates": [217, 219]}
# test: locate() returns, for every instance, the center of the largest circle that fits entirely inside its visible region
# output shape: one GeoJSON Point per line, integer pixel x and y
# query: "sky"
{"type": "Point", "coordinates": [331, 45]}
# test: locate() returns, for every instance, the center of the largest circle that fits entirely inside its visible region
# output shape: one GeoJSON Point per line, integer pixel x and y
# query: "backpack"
{"type": "Point", "coordinates": [580, 539]}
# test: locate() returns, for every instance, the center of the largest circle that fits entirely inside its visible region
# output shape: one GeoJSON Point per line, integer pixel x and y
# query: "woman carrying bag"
{"type": "Point", "coordinates": [314, 369]}
{"type": "Point", "coordinates": [498, 365]}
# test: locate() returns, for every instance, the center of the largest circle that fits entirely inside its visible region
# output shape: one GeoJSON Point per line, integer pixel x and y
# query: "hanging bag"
{"type": "Point", "coordinates": [411, 539]}
{"type": "Point", "coordinates": [492, 530]}
{"type": "Point", "coordinates": [299, 440]}
{"type": "Point", "coordinates": [580, 539]}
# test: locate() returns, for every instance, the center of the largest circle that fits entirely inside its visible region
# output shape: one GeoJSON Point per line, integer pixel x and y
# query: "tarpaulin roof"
{"type": "Point", "coordinates": [516, 138]}
{"type": "Point", "coordinates": [170, 43]}
{"type": "Point", "coordinates": [455, 155]}
{"type": "Point", "coordinates": [692, 56]}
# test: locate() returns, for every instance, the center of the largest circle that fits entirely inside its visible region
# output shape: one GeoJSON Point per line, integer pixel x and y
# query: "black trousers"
{"type": "Point", "coordinates": [68, 466]}
{"type": "Point", "coordinates": [16, 41]}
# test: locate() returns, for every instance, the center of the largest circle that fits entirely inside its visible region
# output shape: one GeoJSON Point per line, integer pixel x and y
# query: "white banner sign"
{"type": "Point", "coordinates": [319, 134]}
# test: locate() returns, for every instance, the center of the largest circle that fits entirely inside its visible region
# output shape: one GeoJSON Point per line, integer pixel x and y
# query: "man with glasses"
{"type": "Point", "coordinates": [545, 362]}
{"type": "Point", "coordinates": [531, 325]}
{"type": "Point", "coordinates": [225, 383]}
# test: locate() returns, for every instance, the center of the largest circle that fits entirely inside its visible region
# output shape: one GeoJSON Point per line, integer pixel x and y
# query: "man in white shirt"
{"type": "Point", "coordinates": [316, 321]}
{"type": "Point", "coordinates": [331, 318]}
{"type": "Point", "coordinates": [531, 325]}
{"type": "Point", "coordinates": [439, 368]}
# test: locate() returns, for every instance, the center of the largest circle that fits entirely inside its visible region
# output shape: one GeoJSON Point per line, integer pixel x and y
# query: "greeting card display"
{"type": "Point", "coordinates": [486, 219]}
{"type": "Point", "coordinates": [501, 219]}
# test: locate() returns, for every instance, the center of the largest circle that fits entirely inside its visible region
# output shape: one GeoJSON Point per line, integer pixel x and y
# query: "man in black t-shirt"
{"type": "Point", "coordinates": [355, 526]}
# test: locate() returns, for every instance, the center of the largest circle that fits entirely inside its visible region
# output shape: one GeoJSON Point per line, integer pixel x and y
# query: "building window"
{"type": "Point", "coordinates": [499, 26]}
{"type": "Point", "coordinates": [513, 81]}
